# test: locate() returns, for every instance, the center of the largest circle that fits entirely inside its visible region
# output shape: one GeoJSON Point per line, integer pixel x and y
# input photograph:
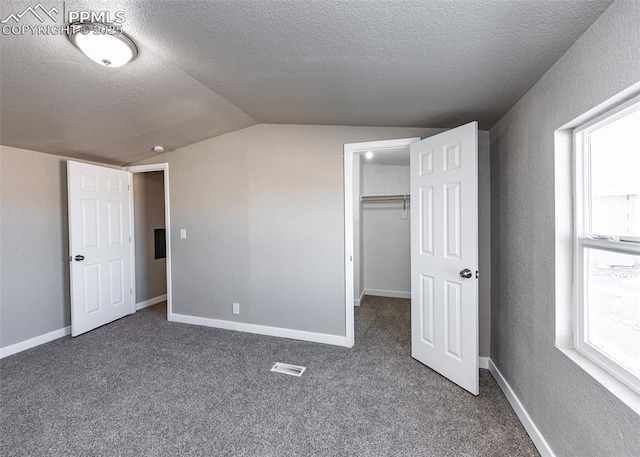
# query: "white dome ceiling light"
{"type": "Point", "coordinates": [101, 45]}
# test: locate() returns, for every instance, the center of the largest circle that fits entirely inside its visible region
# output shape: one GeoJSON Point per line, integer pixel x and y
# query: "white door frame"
{"type": "Point", "coordinates": [167, 222]}
{"type": "Point", "coordinates": [349, 150]}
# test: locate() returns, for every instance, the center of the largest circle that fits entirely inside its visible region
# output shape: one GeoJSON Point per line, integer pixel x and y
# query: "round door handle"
{"type": "Point", "coordinates": [79, 258]}
{"type": "Point", "coordinates": [466, 273]}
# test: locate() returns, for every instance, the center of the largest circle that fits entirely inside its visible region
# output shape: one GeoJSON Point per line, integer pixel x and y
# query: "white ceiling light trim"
{"type": "Point", "coordinates": [101, 45]}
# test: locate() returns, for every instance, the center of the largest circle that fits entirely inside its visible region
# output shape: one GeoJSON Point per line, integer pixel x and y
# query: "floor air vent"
{"type": "Point", "coordinates": [285, 368]}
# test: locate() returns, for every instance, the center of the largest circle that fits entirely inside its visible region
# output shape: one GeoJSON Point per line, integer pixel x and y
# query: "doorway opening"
{"type": "Point", "coordinates": [381, 247]}
{"type": "Point", "coordinates": [150, 228]}
{"type": "Point", "coordinates": [376, 192]}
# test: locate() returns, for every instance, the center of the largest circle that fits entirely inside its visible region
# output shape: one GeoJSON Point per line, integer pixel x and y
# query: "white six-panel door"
{"type": "Point", "coordinates": [444, 254]}
{"type": "Point", "coordinates": [99, 245]}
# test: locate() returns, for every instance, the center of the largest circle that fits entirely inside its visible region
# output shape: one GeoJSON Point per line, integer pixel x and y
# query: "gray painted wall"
{"type": "Point", "coordinates": [484, 242]}
{"type": "Point", "coordinates": [387, 242]}
{"type": "Point", "coordinates": [34, 271]}
{"type": "Point", "coordinates": [148, 202]}
{"type": "Point", "coordinates": [263, 210]}
{"type": "Point", "coordinates": [264, 214]}
{"type": "Point", "coordinates": [574, 412]}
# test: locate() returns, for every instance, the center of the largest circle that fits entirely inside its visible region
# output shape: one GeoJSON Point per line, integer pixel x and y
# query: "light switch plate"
{"type": "Point", "coordinates": [183, 234]}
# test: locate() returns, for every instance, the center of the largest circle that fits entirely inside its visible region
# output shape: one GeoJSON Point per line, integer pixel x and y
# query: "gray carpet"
{"type": "Point", "coordinates": [143, 386]}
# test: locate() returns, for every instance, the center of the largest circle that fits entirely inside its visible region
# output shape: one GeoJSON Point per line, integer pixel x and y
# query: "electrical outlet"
{"type": "Point", "coordinates": [236, 308]}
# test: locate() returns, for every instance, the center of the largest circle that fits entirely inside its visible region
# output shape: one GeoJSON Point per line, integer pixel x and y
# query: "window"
{"type": "Point", "coordinates": [606, 312]}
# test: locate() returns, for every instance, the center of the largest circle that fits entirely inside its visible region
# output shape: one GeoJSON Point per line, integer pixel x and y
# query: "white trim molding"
{"type": "Point", "coordinates": [534, 433]}
{"type": "Point", "coordinates": [150, 302]}
{"type": "Point", "coordinates": [260, 329]}
{"type": "Point", "coordinates": [33, 342]}
{"type": "Point", "coordinates": [359, 300]}
{"type": "Point", "coordinates": [483, 362]}
{"type": "Point", "coordinates": [387, 293]}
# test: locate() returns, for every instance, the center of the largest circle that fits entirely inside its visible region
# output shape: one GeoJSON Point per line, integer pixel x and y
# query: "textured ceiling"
{"type": "Point", "coordinates": [207, 68]}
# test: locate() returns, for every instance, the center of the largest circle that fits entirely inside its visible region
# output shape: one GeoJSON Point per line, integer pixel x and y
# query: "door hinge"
{"type": "Point", "coordinates": [128, 186]}
{"type": "Point", "coordinates": [477, 275]}
{"type": "Point", "coordinates": [131, 291]}
{"type": "Point", "coordinates": [129, 239]}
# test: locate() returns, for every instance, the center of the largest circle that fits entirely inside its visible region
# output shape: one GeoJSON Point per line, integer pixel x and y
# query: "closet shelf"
{"type": "Point", "coordinates": [385, 198]}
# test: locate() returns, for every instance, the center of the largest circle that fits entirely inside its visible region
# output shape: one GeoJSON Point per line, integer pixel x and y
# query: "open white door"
{"type": "Point", "coordinates": [99, 245]}
{"type": "Point", "coordinates": [444, 254]}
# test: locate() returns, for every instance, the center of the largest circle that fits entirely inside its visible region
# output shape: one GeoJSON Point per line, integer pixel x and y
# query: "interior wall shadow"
{"type": "Point", "coordinates": [498, 160]}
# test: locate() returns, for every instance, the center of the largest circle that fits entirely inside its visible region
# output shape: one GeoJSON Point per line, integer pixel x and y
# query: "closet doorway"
{"type": "Point", "coordinates": [441, 210]}
{"type": "Point", "coordinates": [381, 244]}
{"type": "Point", "coordinates": [355, 156]}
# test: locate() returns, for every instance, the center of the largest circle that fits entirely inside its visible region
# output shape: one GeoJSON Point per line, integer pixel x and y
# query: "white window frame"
{"type": "Point", "coordinates": [582, 242]}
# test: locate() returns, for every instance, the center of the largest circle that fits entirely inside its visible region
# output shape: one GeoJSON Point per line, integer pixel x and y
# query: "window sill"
{"type": "Point", "coordinates": [625, 394]}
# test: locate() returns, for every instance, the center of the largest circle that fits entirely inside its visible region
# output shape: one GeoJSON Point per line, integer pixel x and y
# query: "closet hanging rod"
{"type": "Point", "coordinates": [383, 198]}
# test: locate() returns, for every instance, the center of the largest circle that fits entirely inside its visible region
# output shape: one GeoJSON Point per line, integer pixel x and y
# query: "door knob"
{"type": "Point", "coordinates": [466, 273]}
{"type": "Point", "coordinates": [79, 258]}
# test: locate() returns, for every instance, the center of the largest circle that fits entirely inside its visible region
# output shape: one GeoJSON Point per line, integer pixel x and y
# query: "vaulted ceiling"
{"type": "Point", "coordinates": [208, 68]}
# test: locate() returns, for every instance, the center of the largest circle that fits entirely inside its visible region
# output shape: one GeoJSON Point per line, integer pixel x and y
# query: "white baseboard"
{"type": "Point", "coordinates": [483, 362]}
{"type": "Point", "coordinates": [33, 342]}
{"type": "Point", "coordinates": [387, 293]}
{"type": "Point", "coordinates": [260, 329]}
{"type": "Point", "coordinates": [534, 433]}
{"type": "Point", "coordinates": [150, 302]}
{"type": "Point", "coordinates": [359, 300]}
